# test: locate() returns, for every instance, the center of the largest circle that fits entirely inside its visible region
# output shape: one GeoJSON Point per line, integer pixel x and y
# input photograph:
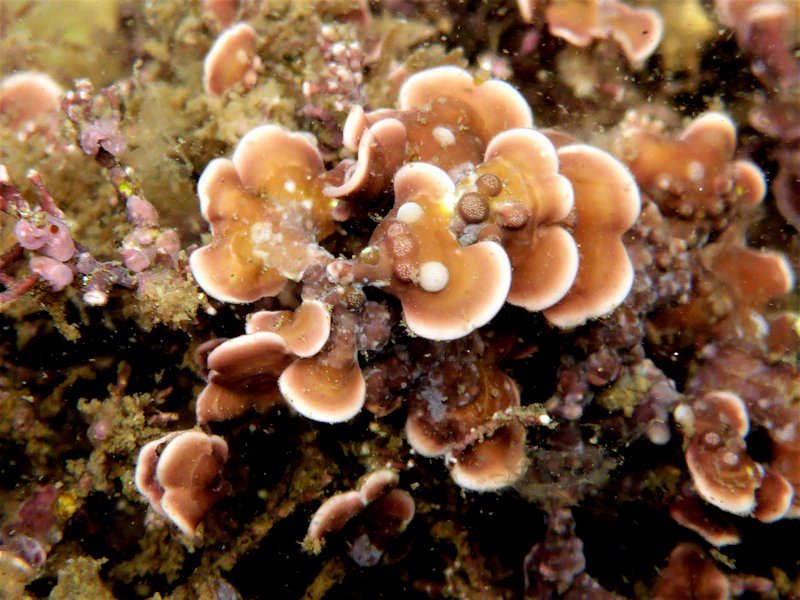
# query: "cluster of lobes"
{"type": "Point", "coordinates": [487, 211]}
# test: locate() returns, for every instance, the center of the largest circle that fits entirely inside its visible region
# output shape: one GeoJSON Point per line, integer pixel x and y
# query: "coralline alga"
{"type": "Point", "coordinates": [484, 210]}
{"type": "Point", "coordinates": [478, 209]}
{"type": "Point", "coordinates": [431, 296]}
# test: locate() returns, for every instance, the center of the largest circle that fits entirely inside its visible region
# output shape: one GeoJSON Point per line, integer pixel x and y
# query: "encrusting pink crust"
{"type": "Point", "coordinates": [450, 252]}
{"type": "Point", "coordinates": [232, 60]}
{"type": "Point", "coordinates": [693, 174]}
{"type": "Point", "coordinates": [180, 473]}
{"type": "Point", "coordinates": [26, 97]}
{"type": "Point", "coordinates": [482, 455]}
{"type": "Point", "coordinates": [224, 11]}
{"type": "Point", "coordinates": [385, 511]}
{"type": "Point", "coordinates": [307, 358]}
{"type": "Point", "coordinates": [526, 216]}
{"type": "Point", "coordinates": [690, 511]}
{"type": "Point", "coordinates": [328, 387]}
{"type": "Point", "coordinates": [282, 356]}
{"type": "Point", "coordinates": [323, 392]}
{"type": "Point", "coordinates": [722, 471]}
{"type": "Point", "coordinates": [638, 31]}
{"type": "Point", "coordinates": [304, 331]}
{"type": "Point", "coordinates": [691, 574]}
{"type": "Point", "coordinates": [606, 205]}
{"type": "Point", "coordinates": [333, 514]}
{"type": "Point", "coordinates": [734, 281]}
{"type": "Point", "coordinates": [767, 384]}
{"type": "Point", "coordinates": [266, 211]}
{"type": "Point", "coordinates": [445, 119]}
{"type": "Point", "coordinates": [481, 109]}
{"type": "Point", "coordinates": [381, 151]}
{"type": "Point", "coordinates": [243, 374]}
{"type": "Point", "coordinates": [337, 510]}
{"type": "Point", "coordinates": [774, 497]}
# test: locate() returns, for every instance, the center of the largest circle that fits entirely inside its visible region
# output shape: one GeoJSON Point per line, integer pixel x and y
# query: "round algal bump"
{"type": "Point", "coordinates": [409, 212]}
{"type": "Point", "coordinates": [711, 439]}
{"type": "Point", "coordinates": [473, 208]}
{"type": "Point", "coordinates": [370, 255]}
{"type": "Point", "coordinates": [489, 184]}
{"type": "Point", "coordinates": [401, 241]}
{"type": "Point", "coordinates": [404, 271]}
{"type": "Point", "coordinates": [512, 215]}
{"type": "Point", "coordinates": [444, 136]}
{"type": "Point", "coordinates": [403, 246]}
{"type": "Point", "coordinates": [730, 459]}
{"type": "Point", "coordinates": [433, 276]}
{"type": "Point", "coordinates": [695, 171]}
{"type": "Point", "coordinates": [491, 233]}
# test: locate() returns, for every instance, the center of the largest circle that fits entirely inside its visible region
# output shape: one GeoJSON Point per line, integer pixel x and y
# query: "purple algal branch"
{"type": "Point", "coordinates": [140, 212]}
{"type": "Point", "coordinates": [43, 231]}
{"type": "Point", "coordinates": [99, 137]}
{"type": "Point", "coordinates": [11, 201]}
{"type": "Point", "coordinates": [7, 280]}
{"type": "Point", "coordinates": [16, 288]}
{"type": "Point", "coordinates": [46, 202]}
{"type": "Point", "coordinates": [99, 277]}
{"type": "Point", "coordinates": [103, 134]}
{"type": "Point", "coordinates": [51, 236]}
{"type": "Point", "coordinates": [10, 256]}
{"type": "Point", "coordinates": [40, 229]}
{"type": "Point", "coordinates": [147, 243]}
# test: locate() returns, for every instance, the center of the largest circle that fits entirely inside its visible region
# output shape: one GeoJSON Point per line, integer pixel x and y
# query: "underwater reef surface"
{"type": "Point", "coordinates": [399, 299]}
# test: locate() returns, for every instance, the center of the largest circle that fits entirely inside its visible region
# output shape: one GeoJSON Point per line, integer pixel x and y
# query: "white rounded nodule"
{"type": "Point", "coordinates": [433, 276]}
{"type": "Point", "coordinates": [409, 212]}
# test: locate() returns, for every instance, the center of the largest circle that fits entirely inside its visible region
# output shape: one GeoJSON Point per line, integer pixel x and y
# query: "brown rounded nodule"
{"type": "Point", "coordinates": [404, 271]}
{"type": "Point", "coordinates": [370, 256]}
{"type": "Point", "coordinates": [354, 299]}
{"type": "Point", "coordinates": [491, 233]}
{"type": "Point", "coordinates": [512, 216]}
{"type": "Point", "coordinates": [489, 184]}
{"type": "Point", "coordinates": [473, 208]}
{"type": "Point", "coordinates": [402, 243]}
